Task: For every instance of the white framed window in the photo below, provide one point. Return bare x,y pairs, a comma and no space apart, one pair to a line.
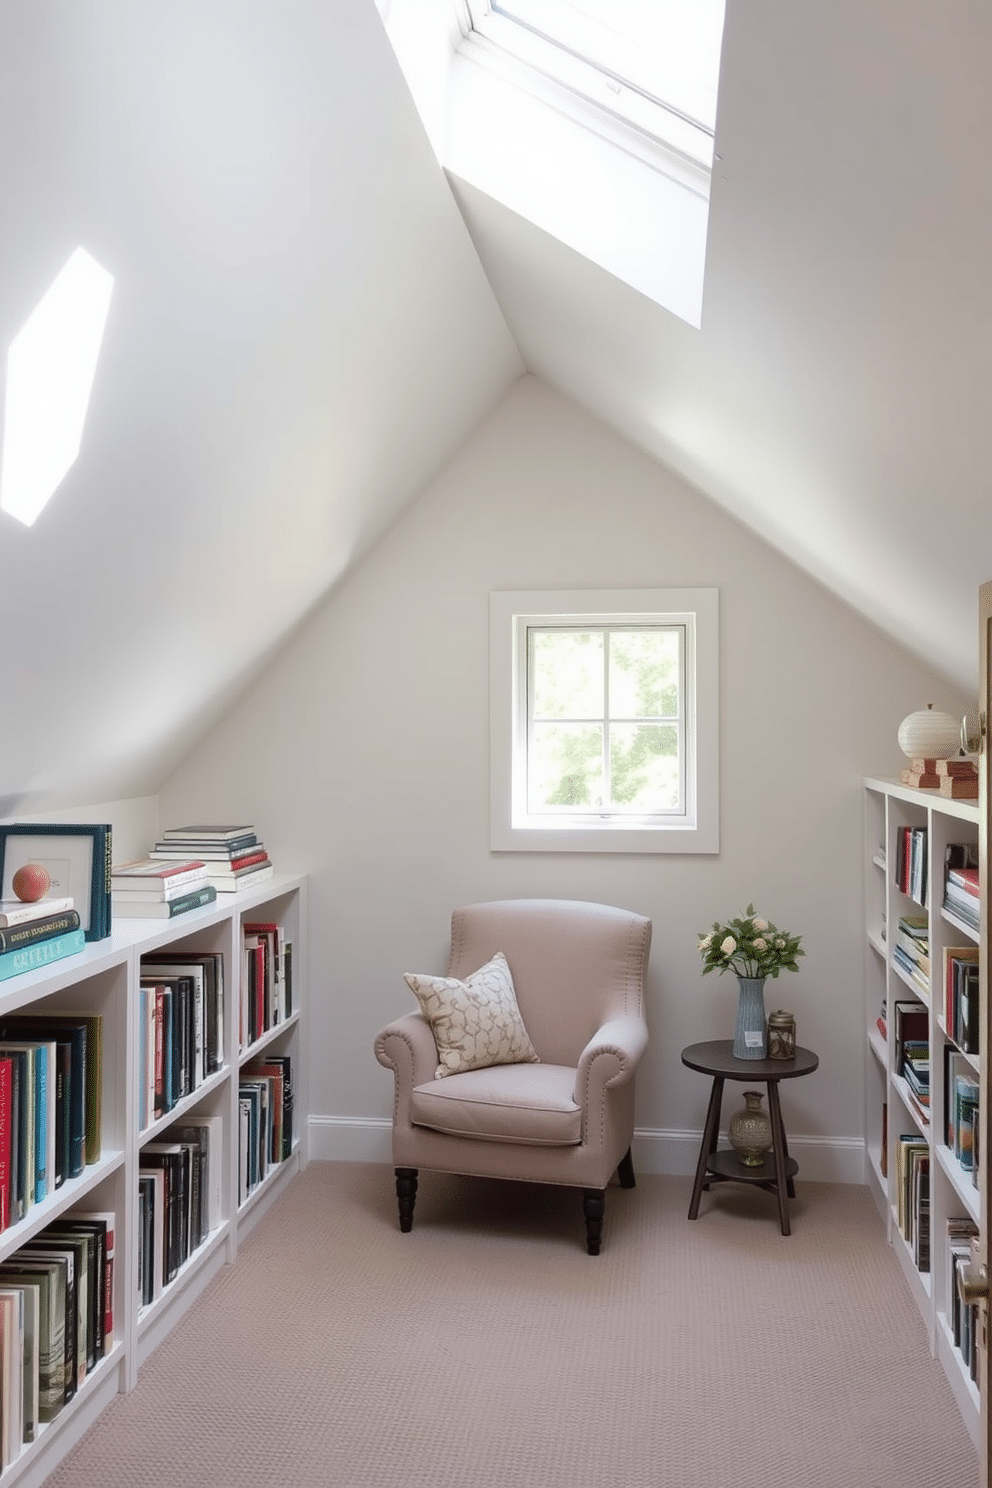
604,711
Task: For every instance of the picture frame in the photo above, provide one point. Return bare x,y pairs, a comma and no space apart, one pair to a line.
78,858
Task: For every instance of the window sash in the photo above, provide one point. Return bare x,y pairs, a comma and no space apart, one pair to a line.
606,721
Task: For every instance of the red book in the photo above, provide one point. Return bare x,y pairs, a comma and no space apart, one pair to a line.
5,1120
965,878
159,994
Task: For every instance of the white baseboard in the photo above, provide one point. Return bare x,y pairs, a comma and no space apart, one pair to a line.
820,1159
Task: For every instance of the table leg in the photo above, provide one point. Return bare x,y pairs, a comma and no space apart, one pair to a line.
784,1187
707,1146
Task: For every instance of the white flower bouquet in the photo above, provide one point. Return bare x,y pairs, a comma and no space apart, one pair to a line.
750,946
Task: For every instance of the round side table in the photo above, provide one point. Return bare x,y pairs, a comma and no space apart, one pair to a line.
775,1173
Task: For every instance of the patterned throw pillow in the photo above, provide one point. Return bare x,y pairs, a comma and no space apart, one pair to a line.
475,1023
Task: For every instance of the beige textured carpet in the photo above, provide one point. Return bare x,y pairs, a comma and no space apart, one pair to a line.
487,1348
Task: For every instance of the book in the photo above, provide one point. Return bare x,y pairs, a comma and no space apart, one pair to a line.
94,1228
15,912
51,1329
44,928
6,1116
208,1132
21,1189
79,858
160,881
911,1021
144,869
237,866
209,833
40,1147
30,1360
958,787
103,1221
270,933
165,909
81,1244
42,953
966,878
920,779
954,766
36,1252
244,880
172,1159
229,852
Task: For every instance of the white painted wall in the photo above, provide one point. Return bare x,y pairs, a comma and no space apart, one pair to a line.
361,754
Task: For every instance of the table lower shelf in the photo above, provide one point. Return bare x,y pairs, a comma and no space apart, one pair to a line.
725,1166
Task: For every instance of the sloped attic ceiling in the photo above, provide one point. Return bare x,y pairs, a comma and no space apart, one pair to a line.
838,397
300,332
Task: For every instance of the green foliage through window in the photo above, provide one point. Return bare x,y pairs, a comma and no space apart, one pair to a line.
606,719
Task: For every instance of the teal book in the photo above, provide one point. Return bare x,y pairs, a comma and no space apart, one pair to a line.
29,958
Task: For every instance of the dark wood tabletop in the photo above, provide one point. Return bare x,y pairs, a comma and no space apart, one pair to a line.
717,1058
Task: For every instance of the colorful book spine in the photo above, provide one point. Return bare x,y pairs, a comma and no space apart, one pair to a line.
13,963
18,936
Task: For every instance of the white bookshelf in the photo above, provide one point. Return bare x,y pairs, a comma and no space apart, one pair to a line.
104,978
889,807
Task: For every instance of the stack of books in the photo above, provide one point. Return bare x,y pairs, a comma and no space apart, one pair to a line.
911,951
36,934
234,857
149,889
961,995
916,1072
961,896
954,779
964,1319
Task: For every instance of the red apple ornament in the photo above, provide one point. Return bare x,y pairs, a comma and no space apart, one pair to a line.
31,883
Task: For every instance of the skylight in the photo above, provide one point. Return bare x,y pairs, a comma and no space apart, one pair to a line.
592,120
50,368
653,64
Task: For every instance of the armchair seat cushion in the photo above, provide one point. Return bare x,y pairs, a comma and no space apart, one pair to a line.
531,1104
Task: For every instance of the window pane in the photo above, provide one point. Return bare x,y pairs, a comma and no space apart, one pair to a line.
566,765
670,49
644,766
567,673
644,673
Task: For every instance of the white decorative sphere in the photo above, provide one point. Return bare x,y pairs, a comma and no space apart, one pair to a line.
930,735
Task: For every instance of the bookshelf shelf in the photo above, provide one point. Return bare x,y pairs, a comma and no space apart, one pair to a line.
105,979
922,1192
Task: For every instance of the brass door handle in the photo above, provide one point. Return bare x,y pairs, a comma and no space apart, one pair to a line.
973,1286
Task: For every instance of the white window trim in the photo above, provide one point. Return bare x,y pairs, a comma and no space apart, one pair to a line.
510,613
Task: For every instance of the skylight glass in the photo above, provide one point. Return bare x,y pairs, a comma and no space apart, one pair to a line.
638,59
50,369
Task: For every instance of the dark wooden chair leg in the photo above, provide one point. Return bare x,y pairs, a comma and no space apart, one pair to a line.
593,1207
625,1170
406,1194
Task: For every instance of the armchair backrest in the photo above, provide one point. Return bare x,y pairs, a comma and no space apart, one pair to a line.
574,965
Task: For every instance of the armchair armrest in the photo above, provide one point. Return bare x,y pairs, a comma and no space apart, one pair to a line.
610,1057
407,1047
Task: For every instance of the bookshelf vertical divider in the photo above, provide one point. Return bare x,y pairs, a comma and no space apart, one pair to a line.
105,979
925,1194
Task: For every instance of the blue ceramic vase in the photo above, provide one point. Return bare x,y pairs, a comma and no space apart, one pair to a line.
751,1032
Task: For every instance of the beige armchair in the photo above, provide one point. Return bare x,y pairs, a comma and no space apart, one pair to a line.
578,971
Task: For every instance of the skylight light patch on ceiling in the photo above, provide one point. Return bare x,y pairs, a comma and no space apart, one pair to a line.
50,369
